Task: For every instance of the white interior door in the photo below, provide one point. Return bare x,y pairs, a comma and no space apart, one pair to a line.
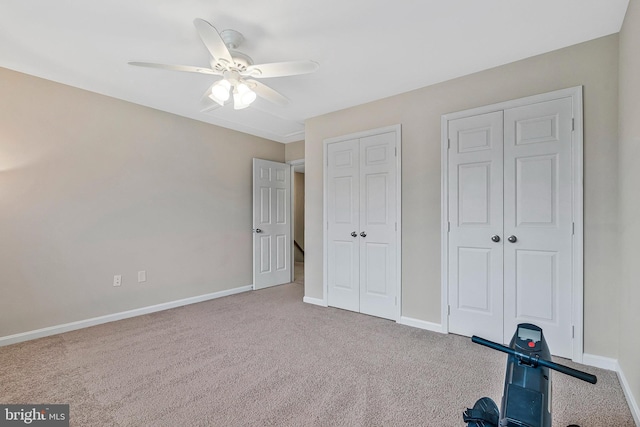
343,240
538,224
271,223
361,199
378,225
475,217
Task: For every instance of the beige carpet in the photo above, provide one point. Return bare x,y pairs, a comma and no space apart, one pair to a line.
267,359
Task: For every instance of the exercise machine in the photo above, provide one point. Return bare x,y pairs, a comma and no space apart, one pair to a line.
526,399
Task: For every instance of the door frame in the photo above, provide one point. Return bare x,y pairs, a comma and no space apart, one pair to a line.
325,214
294,165
577,150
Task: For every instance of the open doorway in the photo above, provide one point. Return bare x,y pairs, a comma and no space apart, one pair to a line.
297,195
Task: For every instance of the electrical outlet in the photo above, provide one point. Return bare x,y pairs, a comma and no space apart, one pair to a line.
142,276
117,280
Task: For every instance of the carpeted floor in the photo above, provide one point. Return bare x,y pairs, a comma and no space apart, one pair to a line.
267,359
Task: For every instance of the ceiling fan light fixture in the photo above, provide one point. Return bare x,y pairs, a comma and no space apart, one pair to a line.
220,91
246,94
243,96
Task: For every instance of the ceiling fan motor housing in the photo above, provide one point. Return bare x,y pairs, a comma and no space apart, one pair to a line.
232,39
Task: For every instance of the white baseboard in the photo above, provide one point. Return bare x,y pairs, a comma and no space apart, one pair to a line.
315,301
58,329
600,362
633,403
421,324
613,365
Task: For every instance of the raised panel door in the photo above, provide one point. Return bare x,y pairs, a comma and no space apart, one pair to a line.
378,225
343,209
538,213
271,223
475,215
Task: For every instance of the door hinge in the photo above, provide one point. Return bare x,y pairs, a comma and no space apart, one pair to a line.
396,226
573,228
395,151
448,310
448,143
448,227
573,331
573,124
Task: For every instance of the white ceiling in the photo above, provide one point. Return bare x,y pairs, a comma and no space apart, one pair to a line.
367,49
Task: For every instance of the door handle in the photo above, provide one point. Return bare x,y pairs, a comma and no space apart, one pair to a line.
512,239
495,238
363,234
354,234
257,230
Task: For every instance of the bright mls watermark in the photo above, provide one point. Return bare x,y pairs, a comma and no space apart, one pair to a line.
34,415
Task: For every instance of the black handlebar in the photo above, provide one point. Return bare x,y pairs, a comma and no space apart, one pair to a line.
535,361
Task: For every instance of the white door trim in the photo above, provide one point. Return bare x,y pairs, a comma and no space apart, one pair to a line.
577,286
325,216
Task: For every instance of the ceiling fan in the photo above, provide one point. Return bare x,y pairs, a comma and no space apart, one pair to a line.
237,69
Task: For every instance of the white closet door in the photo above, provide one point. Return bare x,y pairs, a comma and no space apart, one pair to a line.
343,240
475,215
538,214
378,225
271,223
361,225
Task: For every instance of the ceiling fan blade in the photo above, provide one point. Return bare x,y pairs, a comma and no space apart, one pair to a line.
187,68
212,40
267,93
281,69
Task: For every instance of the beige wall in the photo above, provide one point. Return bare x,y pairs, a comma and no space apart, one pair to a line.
629,174
294,151
91,186
593,64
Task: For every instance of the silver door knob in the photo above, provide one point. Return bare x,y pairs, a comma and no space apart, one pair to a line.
354,234
257,230
495,238
512,239
363,234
